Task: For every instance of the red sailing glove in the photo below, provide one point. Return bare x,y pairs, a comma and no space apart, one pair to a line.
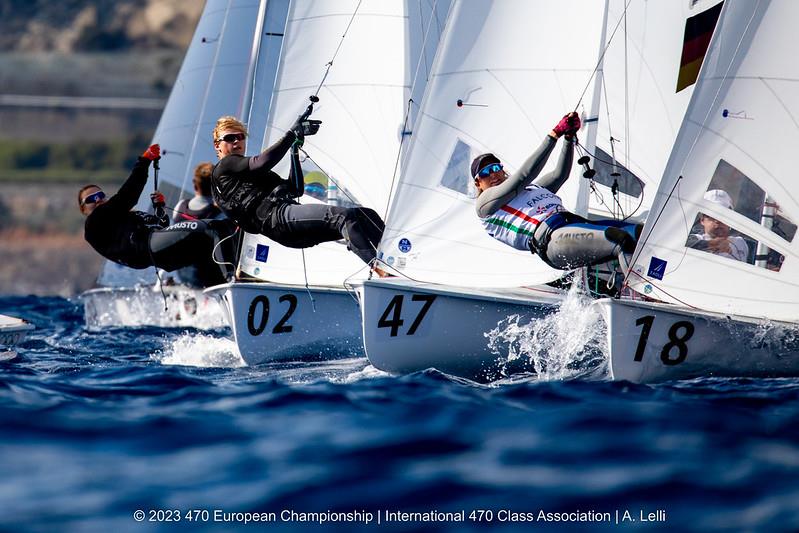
158,199
568,125
152,153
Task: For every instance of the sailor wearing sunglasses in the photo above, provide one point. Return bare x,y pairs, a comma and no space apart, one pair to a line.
139,240
260,201
528,214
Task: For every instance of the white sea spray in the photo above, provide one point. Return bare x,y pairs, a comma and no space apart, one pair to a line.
569,343
198,349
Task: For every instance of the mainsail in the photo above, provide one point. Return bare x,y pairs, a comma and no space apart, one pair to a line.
363,104
504,74
732,163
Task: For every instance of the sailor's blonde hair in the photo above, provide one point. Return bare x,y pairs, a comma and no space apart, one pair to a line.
228,123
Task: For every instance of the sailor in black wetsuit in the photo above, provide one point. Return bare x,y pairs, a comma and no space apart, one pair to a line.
201,205
139,240
262,202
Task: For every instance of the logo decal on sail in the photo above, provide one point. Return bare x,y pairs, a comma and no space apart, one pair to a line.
657,267
698,31
404,245
261,253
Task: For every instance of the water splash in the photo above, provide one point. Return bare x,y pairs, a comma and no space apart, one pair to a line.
567,344
196,349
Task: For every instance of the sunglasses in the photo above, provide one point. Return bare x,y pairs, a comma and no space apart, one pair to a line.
93,198
232,137
490,169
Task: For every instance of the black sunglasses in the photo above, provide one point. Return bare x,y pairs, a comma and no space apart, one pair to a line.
93,198
232,137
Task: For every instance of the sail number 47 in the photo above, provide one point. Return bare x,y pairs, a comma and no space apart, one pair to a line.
392,316
675,351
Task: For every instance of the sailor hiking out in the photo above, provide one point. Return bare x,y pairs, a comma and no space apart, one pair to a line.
140,240
528,214
260,201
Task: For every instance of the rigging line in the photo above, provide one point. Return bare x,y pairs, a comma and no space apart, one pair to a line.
410,101
686,304
213,251
641,244
602,55
584,150
626,97
307,287
399,156
341,42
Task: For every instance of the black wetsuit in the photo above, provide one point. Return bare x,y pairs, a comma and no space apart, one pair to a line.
184,211
139,240
260,201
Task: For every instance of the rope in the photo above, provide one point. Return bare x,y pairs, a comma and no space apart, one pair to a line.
341,42
602,55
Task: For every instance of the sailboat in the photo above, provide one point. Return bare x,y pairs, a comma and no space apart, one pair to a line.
218,77
708,312
12,332
502,92
290,303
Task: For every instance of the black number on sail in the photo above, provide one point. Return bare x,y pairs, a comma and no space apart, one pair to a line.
645,321
257,326
679,342
395,309
281,326
252,327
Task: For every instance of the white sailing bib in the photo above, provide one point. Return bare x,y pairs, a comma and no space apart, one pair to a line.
514,222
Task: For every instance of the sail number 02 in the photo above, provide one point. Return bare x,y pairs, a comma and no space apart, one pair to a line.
392,316
256,328
675,351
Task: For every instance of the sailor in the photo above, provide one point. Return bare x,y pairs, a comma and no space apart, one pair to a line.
529,215
260,201
715,237
201,205
139,240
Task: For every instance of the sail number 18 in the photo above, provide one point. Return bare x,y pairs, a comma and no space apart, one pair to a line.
675,351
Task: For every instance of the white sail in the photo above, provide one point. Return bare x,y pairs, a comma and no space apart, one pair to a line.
640,108
738,136
516,67
213,80
363,103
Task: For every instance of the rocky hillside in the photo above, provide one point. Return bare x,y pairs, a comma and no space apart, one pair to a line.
69,26
83,48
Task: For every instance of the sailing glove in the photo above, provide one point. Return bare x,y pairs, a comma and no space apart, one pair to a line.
568,125
152,153
158,199
304,126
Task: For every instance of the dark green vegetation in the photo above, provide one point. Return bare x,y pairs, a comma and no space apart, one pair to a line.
76,161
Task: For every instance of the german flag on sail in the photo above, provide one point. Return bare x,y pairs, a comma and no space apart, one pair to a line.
698,31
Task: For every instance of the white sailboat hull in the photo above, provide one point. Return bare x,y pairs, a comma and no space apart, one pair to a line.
274,322
408,327
144,306
13,331
651,342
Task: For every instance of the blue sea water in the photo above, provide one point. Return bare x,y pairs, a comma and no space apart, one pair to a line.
99,425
